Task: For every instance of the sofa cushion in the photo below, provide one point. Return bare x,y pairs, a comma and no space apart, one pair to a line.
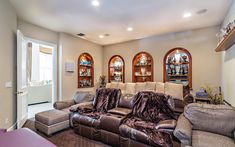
122,86
160,87
108,85
219,119
130,88
140,87
83,96
175,90
126,101
114,85
207,139
150,86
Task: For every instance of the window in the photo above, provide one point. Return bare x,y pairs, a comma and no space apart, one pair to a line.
45,67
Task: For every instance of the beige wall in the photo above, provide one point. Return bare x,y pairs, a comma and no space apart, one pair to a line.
200,43
228,64
72,47
37,32
8,25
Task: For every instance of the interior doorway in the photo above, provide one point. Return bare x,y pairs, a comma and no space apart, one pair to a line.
42,76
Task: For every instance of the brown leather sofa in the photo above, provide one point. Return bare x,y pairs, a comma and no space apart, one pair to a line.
88,125
107,127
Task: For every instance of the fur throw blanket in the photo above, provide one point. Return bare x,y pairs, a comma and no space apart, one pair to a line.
149,109
105,99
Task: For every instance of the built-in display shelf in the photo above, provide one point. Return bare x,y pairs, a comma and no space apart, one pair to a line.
227,43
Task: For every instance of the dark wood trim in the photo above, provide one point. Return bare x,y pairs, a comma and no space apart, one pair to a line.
91,67
133,66
190,64
123,68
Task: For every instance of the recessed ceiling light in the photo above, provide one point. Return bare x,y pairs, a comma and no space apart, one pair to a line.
101,36
186,15
202,11
95,3
81,34
129,29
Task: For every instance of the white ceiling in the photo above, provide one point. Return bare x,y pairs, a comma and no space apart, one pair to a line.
147,17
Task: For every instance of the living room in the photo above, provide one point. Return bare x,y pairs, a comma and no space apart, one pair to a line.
134,46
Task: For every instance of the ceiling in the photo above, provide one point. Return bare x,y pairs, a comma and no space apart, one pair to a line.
146,17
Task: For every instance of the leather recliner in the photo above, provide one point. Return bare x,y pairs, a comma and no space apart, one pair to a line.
144,115
109,125
88,126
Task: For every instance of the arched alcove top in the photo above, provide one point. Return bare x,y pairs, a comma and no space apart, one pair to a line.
116,69
177,66
142,67
85,71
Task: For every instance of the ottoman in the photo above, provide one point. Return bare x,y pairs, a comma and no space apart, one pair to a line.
51,121
109,125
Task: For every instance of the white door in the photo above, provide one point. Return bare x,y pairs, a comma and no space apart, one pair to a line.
22,80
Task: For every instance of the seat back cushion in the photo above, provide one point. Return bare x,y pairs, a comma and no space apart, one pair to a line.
122,87
130,88
108,85
83,96
175,90
219,119
150,86
126,101
139,87
114,85
160,88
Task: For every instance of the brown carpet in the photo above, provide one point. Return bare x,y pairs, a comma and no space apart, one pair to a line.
66,138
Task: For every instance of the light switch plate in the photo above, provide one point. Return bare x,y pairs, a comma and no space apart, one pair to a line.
8,84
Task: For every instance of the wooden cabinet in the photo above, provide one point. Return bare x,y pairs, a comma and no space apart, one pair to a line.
177,66
85,71
142,67
116,69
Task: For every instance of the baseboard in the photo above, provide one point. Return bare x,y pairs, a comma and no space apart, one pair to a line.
13,127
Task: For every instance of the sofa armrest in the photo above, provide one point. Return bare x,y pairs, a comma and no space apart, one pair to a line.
166,124
81,106
183,130
188,99
63,104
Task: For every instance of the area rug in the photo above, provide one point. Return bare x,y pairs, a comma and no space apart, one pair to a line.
66,138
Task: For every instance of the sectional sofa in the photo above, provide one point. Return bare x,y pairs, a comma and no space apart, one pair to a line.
106,128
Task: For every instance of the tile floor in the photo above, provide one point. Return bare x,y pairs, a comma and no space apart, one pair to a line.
34,109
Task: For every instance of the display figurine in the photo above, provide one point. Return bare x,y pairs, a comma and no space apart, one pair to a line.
184,58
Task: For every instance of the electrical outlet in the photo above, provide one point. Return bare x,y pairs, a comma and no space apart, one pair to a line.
6,121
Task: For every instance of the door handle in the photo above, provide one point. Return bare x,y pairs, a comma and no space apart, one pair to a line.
19,92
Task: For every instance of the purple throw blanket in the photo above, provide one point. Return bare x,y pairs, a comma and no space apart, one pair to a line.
150,108
105,99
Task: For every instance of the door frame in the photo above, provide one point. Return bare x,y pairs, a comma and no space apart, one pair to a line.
55,65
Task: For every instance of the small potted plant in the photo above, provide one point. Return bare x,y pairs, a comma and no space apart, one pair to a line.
214,95
102,81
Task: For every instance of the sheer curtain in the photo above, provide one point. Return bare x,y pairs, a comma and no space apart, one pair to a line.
45,66
41,65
